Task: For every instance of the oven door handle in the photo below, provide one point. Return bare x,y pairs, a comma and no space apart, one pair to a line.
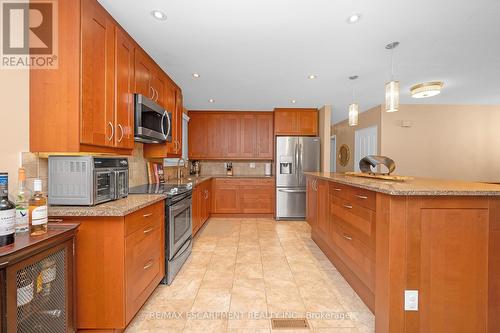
183,249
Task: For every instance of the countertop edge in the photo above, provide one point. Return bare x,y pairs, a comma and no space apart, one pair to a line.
430,192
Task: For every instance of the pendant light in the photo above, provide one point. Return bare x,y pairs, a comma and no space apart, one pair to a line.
392,87
353,107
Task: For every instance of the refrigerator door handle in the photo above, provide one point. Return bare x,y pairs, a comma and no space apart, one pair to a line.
292,191
297,161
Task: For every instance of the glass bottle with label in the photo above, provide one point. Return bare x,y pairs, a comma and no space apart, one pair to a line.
7,212
25,293
38,211
22,205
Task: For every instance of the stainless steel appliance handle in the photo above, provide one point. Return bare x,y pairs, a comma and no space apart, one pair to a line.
121,131
183,249
112,131
299,164
165,114
292,191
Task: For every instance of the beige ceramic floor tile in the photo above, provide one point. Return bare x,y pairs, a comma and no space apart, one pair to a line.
212,300
248,270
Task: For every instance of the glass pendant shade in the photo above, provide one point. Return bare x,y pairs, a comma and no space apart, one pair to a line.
353,114
392,96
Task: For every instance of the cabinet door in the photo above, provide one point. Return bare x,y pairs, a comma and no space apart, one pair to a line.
248,138
197,136
97,113
323,215
265,137
257,199
143,74
177,124
196,206
312,203
124,71
232,135
285,122
308,122
226,199
216,136
158,86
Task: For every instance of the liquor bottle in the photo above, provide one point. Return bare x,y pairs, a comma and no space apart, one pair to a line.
7,212
25,293
22,205
38,210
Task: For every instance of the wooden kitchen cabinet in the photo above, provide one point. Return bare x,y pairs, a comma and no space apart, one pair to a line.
246,196
231,135
296,121
312,202
86,104
202,204
120,261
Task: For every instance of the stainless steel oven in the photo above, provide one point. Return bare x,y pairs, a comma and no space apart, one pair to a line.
179,233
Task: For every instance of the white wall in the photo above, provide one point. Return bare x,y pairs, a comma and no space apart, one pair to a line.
325,116
14,121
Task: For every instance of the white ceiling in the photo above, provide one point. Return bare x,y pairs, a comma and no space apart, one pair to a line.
257,54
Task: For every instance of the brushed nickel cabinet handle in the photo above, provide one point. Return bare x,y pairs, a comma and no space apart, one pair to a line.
349,238
337,189
112,131
121,131
148,265
361,196
152,90
147,215
147,231
347,206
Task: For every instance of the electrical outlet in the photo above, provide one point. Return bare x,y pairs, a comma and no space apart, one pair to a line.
252,165
411,300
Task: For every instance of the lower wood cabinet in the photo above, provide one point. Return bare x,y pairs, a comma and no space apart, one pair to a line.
446,247
120,261
243,196
202,204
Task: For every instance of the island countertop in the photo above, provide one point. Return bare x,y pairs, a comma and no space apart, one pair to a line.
416,186
120,207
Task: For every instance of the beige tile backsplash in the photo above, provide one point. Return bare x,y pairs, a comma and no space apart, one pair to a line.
239,168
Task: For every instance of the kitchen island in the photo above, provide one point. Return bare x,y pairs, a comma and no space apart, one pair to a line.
437,242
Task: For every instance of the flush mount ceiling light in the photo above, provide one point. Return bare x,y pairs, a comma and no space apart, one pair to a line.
293,101
211,100
353,107
354,18
426,89
312,77
392,87
159,15
196,75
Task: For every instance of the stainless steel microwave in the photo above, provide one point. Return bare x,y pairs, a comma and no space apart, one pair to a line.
87,180
152,123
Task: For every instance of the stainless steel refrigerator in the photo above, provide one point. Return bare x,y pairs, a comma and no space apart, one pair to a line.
294,156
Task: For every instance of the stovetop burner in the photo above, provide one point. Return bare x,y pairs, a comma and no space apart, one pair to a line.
169,189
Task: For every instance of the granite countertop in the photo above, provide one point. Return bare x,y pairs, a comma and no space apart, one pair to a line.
417,186
119,207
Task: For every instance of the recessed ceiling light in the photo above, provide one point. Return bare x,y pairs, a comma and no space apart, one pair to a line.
159,15
354,18
312,76
426,89
293,101
196,75
211,100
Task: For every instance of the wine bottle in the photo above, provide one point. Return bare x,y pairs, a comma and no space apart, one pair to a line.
7,212
38,210
22,205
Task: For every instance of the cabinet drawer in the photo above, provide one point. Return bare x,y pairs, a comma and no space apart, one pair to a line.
144,218
360,220
142,260
357,256
359,196
257,199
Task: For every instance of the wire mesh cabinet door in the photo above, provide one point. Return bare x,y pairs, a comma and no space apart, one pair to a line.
39,292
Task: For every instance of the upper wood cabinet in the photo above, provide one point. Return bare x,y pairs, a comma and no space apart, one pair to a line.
296,122
231,135
86,104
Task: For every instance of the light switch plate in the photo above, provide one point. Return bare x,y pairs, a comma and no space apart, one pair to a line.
411,300
252,165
